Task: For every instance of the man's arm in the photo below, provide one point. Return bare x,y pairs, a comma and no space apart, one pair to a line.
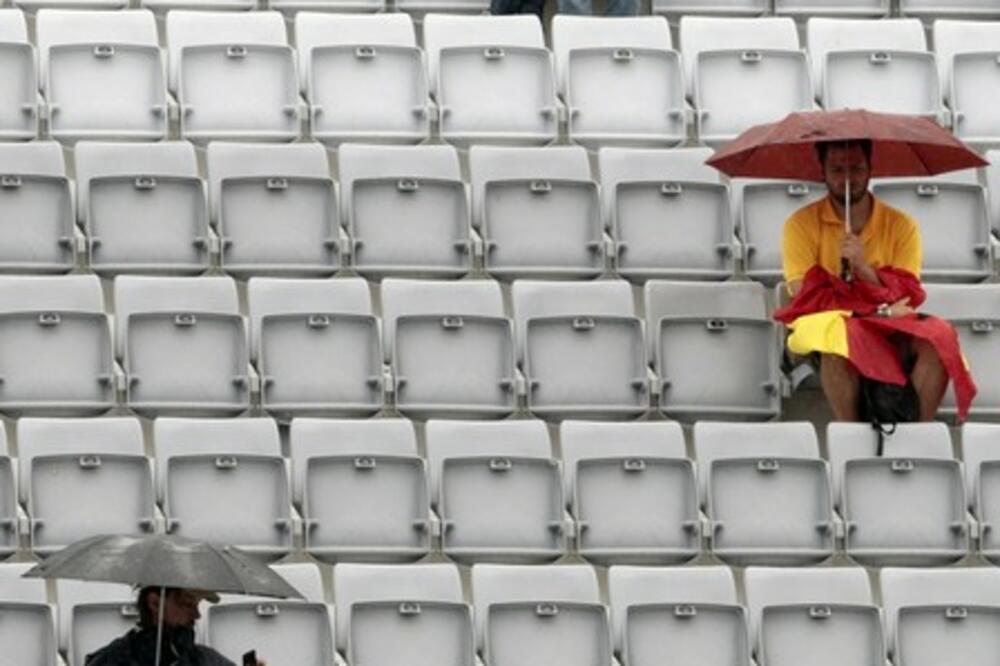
799,253
853,251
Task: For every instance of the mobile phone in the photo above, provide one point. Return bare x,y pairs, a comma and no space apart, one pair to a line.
250,658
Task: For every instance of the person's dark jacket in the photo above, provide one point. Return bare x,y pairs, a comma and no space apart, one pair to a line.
138,648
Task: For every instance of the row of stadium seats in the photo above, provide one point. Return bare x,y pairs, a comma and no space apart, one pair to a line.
494,491
274,210
364,78
448,348
553,615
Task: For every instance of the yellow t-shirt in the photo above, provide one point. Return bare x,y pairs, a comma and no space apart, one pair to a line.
813,234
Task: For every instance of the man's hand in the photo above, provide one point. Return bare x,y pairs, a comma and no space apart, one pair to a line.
901,308
853,251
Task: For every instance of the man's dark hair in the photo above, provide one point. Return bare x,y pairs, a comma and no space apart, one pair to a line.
823,148
146,617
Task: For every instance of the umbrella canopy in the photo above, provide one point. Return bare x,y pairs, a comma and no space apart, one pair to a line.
901,146
164,561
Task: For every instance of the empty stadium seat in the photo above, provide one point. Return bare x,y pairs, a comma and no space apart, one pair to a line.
929,9
538,212
678,615
942,617
162,7
19,102
93,614
299,7
905,507
497,489
84,477
274,208
142,207
492,78
981,458
364,77
540,615
675,8
388,614
880,65
749,474
36,205
823,616
729,61
285,632
714,350
967,53
419,9
234,76
406,210
361,489
27,621
975,312
224,481
807,8
668,213
631,490
954,225
621,80
102,75
9,523
55,346
581,349
316,346
183,345
451,348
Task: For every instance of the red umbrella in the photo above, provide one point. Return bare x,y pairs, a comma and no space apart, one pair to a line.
901,146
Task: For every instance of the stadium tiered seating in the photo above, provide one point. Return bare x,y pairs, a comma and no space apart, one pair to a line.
981,460
929,9
19,104
142,207
315,345
845,8
36,205
361,488
9,519
992,179
674,8
967,53
84,477
28,630
450,347
91,615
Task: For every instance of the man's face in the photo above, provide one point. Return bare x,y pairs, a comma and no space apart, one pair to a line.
846,165
180,609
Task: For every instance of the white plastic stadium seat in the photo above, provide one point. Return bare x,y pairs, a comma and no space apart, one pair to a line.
19,102
224,481
621,80
842,8
162,7
761,208
316,346
143,207
631,491
419,9
274,208
364,77
880,65
361,489
9,523
975,311
823,616
929,9
668,214
420,607
714,350
82,478
729,61
903,508
766,492
581,348
183,345
538,212
36,206
288,632
27,620
234,76
451,348
492,78
498,491
954,225
299,7
540,615
993,186
55,346
30,7
981,458
686,616
967,53
102,75
676,8
406,210
942,617
93,614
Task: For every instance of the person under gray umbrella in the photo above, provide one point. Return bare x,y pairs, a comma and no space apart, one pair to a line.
173,576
